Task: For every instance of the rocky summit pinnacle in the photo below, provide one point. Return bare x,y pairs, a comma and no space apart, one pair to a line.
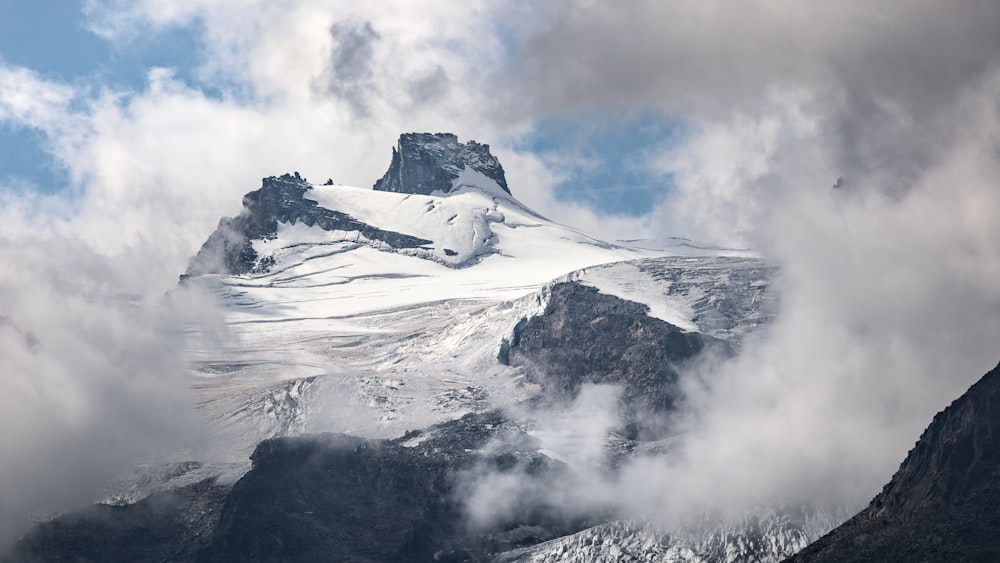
423,163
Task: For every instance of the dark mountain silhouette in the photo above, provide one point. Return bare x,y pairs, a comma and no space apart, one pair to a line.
944,502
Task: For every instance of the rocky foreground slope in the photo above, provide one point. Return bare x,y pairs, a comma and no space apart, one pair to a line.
944,502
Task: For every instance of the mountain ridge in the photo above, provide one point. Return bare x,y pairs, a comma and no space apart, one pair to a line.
280,199
942,503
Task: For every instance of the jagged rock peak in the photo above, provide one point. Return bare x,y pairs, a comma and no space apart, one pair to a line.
423,163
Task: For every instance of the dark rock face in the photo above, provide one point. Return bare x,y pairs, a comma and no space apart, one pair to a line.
328,497
944,502
339,498
229,249
426,162
334,498
585,336
169,526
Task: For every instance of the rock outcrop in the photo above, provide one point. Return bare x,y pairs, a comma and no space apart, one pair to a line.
423,163
585,336
944,502
173,525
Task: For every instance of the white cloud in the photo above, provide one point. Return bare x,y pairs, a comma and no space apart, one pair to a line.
92,376
888,307
889,311
721,173
28,100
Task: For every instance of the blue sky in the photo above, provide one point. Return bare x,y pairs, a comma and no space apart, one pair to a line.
604,158
53,39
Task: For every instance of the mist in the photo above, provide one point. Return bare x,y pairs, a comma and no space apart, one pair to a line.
94,378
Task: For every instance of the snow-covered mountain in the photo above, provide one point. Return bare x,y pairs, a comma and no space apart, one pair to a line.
430,318
397,301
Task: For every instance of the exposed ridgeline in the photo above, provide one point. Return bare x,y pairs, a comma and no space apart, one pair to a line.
944,502
281,199
423,163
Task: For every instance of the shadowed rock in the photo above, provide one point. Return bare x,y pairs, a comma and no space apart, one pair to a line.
423,163
167,526
944,502
328,497
585,336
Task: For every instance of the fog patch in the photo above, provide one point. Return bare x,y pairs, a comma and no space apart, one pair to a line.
93,374
563,467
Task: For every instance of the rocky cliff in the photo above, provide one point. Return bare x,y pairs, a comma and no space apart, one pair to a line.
586,337
328,497
944,502
423,163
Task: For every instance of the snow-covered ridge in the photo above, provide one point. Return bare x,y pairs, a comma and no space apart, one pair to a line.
769,535
288,222
723,296
480,238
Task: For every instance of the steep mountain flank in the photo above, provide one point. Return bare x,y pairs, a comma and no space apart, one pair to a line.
944,502
328,497
584,336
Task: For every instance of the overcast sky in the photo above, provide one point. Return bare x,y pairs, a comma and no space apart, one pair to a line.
129,127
